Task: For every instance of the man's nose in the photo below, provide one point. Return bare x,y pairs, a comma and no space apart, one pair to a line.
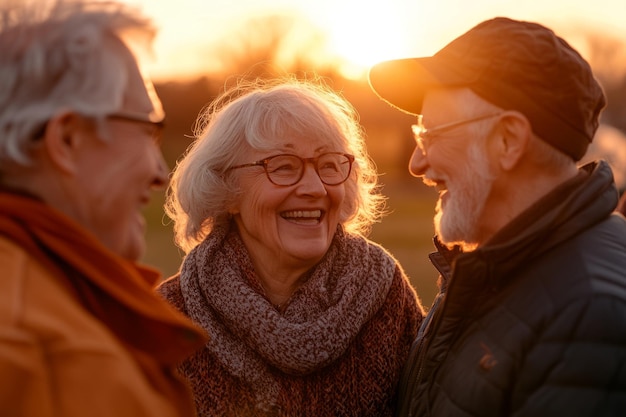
418,163
161,177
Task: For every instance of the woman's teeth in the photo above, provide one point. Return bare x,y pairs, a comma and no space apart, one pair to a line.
302,215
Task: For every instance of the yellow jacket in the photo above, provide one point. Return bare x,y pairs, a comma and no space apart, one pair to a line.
76,347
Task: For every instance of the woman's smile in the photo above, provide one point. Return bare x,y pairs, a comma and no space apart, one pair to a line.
303,216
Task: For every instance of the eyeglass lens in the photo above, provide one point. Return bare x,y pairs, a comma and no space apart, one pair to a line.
332,168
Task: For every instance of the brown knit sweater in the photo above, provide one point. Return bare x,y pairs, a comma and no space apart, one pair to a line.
337,349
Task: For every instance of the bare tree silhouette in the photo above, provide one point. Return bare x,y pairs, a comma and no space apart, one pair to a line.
273,45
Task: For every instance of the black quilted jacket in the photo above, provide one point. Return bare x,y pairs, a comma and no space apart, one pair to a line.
534,322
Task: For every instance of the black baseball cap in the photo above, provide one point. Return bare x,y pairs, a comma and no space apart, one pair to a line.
515,65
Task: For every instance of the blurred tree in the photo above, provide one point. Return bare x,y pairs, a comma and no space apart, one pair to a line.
273,45
182,102
276,45
608,58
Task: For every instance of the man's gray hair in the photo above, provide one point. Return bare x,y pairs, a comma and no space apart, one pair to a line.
62,55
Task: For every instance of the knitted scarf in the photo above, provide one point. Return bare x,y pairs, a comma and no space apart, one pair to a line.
117,292
322,318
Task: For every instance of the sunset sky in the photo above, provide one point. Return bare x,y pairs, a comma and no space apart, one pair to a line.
361,32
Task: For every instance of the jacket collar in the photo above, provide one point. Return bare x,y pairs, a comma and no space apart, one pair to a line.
572,207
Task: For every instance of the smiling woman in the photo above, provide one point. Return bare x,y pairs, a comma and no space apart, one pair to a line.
271,204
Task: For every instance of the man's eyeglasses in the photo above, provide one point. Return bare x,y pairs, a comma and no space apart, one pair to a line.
157,127
425,137
333,168
136,118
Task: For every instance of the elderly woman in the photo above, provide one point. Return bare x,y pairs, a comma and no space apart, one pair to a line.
306,317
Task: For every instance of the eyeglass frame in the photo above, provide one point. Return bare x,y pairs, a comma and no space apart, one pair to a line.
128,117
313,160
135,118
421,133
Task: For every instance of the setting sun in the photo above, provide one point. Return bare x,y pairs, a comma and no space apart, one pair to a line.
356,34
198,42
362,36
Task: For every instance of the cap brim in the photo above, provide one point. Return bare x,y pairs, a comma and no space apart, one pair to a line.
403,82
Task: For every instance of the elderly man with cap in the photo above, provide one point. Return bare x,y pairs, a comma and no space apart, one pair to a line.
531,315
82,331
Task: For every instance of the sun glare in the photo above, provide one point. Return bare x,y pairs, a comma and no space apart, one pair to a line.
360,35
357,33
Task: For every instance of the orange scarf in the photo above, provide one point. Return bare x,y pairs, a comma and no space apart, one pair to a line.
119,293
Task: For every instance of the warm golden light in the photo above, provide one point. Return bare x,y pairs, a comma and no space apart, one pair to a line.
359,33
205,38
361,36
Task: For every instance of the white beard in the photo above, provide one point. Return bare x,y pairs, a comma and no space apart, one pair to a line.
458,223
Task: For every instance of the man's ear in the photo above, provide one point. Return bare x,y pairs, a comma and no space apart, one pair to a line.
514,134
61,140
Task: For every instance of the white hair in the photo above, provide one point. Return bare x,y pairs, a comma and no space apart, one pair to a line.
62,55
253,115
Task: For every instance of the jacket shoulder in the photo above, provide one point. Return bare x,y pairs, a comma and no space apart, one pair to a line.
19,272
601,256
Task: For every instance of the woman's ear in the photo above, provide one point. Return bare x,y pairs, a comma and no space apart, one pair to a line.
514,135
61,140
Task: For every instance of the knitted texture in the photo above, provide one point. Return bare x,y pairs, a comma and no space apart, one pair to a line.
335,350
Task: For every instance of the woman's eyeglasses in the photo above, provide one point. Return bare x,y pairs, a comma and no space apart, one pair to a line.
333,168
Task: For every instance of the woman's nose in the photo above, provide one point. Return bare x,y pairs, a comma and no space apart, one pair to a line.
311,183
